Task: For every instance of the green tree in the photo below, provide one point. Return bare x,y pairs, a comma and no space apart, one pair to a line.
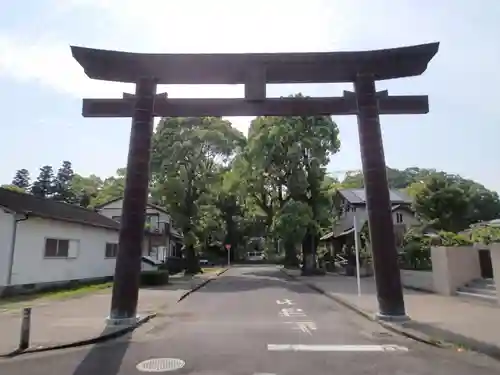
186,154
86,189
230,202
43,187
443,204
62,189
22,179
294,152
111,188
13,188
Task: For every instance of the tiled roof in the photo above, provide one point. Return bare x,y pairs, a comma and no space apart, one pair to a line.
358,196
47,208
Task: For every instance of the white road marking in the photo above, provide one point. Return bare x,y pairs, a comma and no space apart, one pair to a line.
306,327
264,373
335,348
284,302
292,312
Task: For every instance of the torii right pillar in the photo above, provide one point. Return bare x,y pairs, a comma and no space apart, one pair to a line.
378,203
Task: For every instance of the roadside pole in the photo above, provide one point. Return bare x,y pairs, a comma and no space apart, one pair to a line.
228,248
356,245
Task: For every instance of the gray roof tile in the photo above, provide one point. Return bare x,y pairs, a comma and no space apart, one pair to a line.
358,196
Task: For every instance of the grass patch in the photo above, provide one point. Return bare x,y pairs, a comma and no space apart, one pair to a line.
212,269
28,299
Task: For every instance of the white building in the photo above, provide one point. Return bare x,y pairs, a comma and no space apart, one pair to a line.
164,239
46,242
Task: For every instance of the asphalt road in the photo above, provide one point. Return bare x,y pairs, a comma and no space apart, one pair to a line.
253,320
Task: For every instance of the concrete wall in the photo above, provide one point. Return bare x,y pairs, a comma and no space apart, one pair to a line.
495,262
423,280
454,267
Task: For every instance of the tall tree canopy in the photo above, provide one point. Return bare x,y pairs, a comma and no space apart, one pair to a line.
43,187
187,153
62,189
22,179
292,153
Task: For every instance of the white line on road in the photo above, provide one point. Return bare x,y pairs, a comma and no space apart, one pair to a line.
306,327
335,348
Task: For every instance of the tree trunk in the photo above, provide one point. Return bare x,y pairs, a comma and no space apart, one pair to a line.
291,259
192,266
308,254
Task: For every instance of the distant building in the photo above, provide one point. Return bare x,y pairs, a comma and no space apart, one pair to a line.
164,239
351,203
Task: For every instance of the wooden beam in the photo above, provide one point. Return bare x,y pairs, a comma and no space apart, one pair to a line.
163,95
230,69
390,105
255,84
352,94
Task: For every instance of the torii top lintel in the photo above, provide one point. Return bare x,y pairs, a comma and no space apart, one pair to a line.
320,67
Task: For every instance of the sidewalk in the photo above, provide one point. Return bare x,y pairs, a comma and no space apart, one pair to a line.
71,320
434,318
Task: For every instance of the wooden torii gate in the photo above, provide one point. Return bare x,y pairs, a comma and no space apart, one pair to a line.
363,69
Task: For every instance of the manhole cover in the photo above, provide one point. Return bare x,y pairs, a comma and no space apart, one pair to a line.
160,365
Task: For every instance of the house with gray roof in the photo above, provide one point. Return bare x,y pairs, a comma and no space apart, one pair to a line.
350,205
44,242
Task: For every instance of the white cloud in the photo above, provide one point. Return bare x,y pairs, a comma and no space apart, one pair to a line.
165,26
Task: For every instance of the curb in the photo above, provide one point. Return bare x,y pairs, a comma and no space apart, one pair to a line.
93,340
107,336
202,284
450,342
389,326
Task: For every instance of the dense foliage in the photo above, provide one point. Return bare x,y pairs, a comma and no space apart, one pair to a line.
269,191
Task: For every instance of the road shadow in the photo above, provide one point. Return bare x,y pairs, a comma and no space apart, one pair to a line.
460,340
250,280
104,358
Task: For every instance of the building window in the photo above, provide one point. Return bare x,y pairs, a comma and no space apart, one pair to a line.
111,250
399,218
60,248
353,209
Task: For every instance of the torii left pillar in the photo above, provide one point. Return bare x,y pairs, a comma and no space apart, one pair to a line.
128,261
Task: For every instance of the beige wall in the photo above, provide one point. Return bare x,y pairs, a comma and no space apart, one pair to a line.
409,218
495,261
454,267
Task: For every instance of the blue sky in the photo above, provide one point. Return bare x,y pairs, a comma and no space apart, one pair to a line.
41,87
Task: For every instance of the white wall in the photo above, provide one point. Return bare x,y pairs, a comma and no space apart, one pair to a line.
30,265
115,209
6,228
